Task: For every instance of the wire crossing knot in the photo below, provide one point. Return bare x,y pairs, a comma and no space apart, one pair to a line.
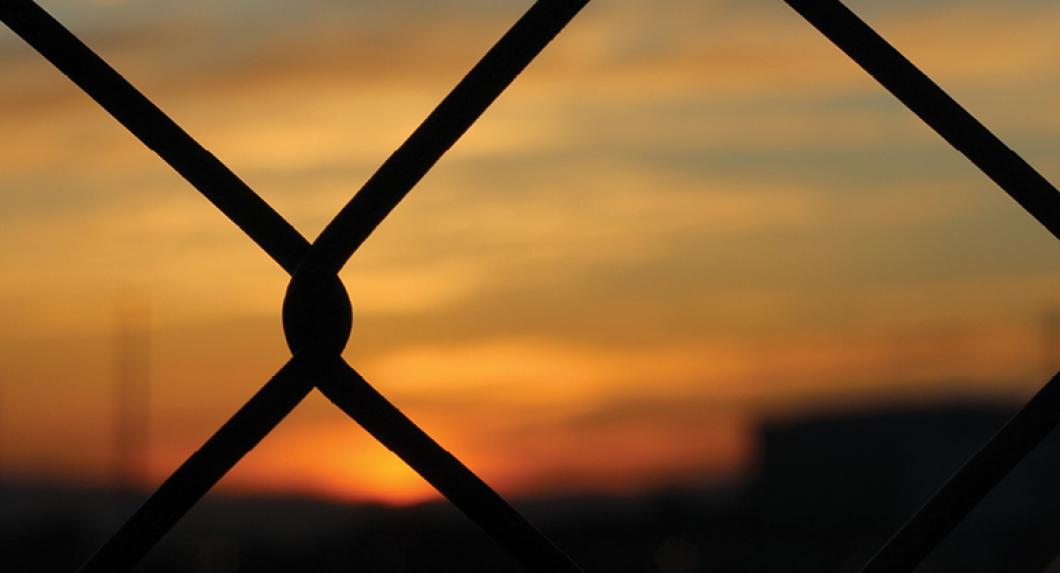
317,314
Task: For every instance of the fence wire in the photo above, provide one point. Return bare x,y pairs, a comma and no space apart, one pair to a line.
317,312
1040,416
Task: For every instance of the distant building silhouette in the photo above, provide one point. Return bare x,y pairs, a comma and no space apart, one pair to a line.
831,489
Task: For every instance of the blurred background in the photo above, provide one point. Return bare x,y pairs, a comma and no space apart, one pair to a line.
696,292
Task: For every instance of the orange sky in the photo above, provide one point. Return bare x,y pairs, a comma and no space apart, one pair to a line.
683,217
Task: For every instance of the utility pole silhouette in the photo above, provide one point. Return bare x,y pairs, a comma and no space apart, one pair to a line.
132,395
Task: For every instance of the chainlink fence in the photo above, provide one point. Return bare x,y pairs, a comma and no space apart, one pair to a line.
317,313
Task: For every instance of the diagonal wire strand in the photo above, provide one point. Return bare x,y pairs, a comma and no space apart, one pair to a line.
971,483
927,100
156,130
359,400
1032,191
200,472
438,132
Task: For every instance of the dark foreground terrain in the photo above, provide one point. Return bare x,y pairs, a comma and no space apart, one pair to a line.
826,493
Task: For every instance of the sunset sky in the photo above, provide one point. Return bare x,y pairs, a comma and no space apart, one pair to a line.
684,217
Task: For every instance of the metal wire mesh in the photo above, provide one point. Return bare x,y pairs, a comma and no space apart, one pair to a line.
317,310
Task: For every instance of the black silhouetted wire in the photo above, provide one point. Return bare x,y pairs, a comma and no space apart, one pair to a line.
315,289
971,484
157,131
930,525
453,116
360,400
186,486
926,99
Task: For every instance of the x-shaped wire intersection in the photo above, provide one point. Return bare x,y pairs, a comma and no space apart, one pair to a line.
316,310
317,315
